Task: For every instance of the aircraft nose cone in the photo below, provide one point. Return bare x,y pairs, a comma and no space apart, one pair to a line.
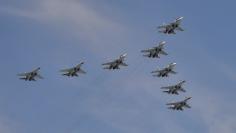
173,64
162,42
179,18
124,55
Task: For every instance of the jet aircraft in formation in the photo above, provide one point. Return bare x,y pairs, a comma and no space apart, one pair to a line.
71,72
171,27
165,71
179,105
155,51
30,76
116,63
174,89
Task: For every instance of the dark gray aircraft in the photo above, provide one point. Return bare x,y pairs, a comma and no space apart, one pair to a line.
30,76
171,27
116,63
71,72
179,105
174,89
155,51
165,71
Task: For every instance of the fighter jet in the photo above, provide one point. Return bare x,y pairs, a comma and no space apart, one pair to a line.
179,105
30,76
116,63
71,72
165,71
155,51
171,27
174,89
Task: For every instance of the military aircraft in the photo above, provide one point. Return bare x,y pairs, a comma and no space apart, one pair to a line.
179,105
116,63
165,71
71,72
30,76
155,51
171,27
174,89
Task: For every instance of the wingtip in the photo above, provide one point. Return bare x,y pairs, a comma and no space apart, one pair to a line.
187,98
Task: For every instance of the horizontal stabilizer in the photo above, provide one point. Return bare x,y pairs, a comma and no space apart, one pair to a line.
82,71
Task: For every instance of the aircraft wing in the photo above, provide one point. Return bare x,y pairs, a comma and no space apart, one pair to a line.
162,26
66,70
108,63
187,106
82,71
39,76
123,64
162,31
182,82
180,29
173,72
24,78
162,71
156,71
167,87
147,50
171,66
171,108
35,70
172,104
23,74
163,52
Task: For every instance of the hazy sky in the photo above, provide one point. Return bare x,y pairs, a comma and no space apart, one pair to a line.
57,34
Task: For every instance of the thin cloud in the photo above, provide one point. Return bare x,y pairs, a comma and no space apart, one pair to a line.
7,126
78,19
214,110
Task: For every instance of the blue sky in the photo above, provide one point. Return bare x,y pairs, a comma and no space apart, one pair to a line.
56,34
